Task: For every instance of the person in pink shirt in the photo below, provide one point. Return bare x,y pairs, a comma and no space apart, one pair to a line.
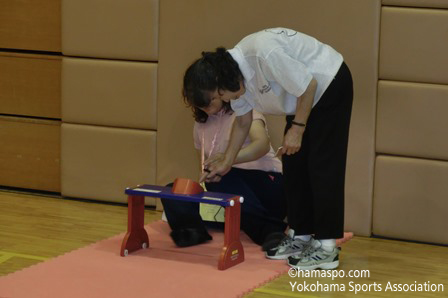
255,175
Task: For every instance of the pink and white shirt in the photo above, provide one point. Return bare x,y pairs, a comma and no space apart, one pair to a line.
215,133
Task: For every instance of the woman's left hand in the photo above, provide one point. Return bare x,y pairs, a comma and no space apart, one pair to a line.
293,140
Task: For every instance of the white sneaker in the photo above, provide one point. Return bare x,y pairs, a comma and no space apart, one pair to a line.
315,258
288,247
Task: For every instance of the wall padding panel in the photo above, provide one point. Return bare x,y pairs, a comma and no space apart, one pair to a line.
412,119
100,162
30,85
417,3
356,21
30,153
109,92
114,29
414,45
410,199
30,25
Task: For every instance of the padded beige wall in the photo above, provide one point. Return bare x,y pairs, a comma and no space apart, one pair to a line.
30,85
109,92
109,96
30,25
113,29
410,199
30,153
417,3
100,162
351,26
410,186
414,45
412,119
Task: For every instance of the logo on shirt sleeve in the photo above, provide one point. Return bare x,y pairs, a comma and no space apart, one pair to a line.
287,32
265,89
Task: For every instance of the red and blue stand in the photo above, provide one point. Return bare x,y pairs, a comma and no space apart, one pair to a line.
184,190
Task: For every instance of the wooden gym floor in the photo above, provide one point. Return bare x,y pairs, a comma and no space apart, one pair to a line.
35,228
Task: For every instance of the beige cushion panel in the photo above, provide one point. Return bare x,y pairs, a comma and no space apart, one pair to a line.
31,25
414,45
30,153
110,93
100,162
351,26
412,119
410,199
417,3
30,85
111,29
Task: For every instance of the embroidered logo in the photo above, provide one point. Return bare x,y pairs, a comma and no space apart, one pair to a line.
265,89
287,32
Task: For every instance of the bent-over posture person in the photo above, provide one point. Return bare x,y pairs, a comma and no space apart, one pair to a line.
284,72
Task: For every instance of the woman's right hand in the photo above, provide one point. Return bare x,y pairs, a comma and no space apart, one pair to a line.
215,167
293,140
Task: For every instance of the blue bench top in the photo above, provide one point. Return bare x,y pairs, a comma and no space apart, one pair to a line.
164,192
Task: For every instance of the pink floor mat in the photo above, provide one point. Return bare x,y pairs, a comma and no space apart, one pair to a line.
163,270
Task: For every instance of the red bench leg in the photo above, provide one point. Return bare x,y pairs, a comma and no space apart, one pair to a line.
136,236
232,252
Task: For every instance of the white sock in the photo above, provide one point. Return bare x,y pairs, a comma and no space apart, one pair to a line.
303,237
328,244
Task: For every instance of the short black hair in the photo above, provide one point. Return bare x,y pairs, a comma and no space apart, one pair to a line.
214,71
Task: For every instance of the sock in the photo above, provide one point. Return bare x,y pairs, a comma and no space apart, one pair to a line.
303,237
328,244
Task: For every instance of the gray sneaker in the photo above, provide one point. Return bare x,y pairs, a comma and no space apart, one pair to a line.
287,247
315,258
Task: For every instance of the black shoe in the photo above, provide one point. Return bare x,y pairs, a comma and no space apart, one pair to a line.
190,237
272,240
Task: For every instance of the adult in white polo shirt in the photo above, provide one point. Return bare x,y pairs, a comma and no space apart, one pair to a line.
283,72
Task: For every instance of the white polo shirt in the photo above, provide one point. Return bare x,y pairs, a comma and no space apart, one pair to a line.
277,65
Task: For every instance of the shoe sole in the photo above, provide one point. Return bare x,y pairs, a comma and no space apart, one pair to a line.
282,257
325,266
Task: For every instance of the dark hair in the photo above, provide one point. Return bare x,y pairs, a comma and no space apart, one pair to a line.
214,71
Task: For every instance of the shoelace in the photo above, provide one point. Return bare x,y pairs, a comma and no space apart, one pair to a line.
285,241
309,250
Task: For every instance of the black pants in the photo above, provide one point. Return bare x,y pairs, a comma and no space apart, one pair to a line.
315,176
262,212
